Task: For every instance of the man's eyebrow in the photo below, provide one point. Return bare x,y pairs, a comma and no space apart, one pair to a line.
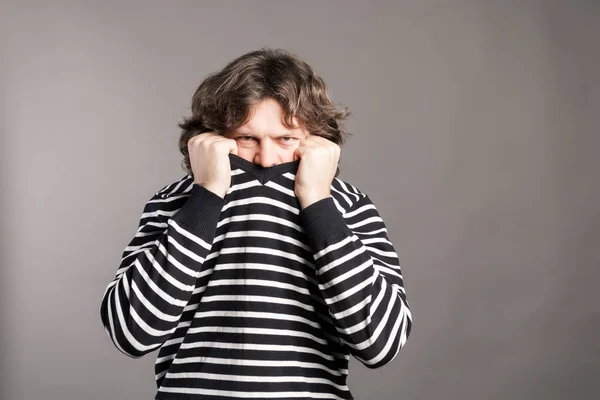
238,133
287,134
243,133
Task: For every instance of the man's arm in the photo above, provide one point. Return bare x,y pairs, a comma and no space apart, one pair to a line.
359,276
143,304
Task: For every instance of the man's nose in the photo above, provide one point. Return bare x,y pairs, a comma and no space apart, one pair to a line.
266,156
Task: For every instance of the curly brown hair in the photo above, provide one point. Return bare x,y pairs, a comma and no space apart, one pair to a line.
224,100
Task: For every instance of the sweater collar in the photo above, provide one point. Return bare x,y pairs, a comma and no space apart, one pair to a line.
261,173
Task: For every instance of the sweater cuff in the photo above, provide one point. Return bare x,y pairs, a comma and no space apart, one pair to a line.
201,212
324,224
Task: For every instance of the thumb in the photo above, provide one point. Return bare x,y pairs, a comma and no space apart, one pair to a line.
298,153
233,148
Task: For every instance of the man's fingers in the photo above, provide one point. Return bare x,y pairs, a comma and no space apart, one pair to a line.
214,140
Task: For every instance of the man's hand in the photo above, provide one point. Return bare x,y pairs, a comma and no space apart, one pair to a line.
319,159
209,160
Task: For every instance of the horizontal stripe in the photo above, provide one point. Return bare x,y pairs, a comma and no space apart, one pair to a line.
260,217
255,363
244,395
257,299
247,378
257,347
261,200
261,234
258,282
256,331
255,314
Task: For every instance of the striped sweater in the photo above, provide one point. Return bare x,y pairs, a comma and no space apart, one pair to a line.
251,296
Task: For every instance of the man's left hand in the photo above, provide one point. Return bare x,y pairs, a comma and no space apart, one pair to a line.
319,159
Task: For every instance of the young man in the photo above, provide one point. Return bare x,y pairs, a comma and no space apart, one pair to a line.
259,272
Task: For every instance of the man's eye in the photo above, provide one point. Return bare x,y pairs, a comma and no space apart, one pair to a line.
245,138
287,139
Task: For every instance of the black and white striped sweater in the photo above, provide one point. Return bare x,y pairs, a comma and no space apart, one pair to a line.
252,297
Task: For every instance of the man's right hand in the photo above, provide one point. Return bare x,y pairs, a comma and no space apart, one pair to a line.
209,160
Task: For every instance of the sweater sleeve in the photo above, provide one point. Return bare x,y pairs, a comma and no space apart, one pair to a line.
359,276
156,277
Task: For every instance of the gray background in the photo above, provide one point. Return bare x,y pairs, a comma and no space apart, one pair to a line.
475,133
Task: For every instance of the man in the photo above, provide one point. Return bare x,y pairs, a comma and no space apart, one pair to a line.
259,272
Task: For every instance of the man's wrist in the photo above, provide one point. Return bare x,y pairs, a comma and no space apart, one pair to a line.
308,200
213,188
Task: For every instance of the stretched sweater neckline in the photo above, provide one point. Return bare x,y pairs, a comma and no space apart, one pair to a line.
263,174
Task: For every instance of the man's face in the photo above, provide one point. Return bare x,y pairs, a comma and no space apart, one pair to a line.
264,139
